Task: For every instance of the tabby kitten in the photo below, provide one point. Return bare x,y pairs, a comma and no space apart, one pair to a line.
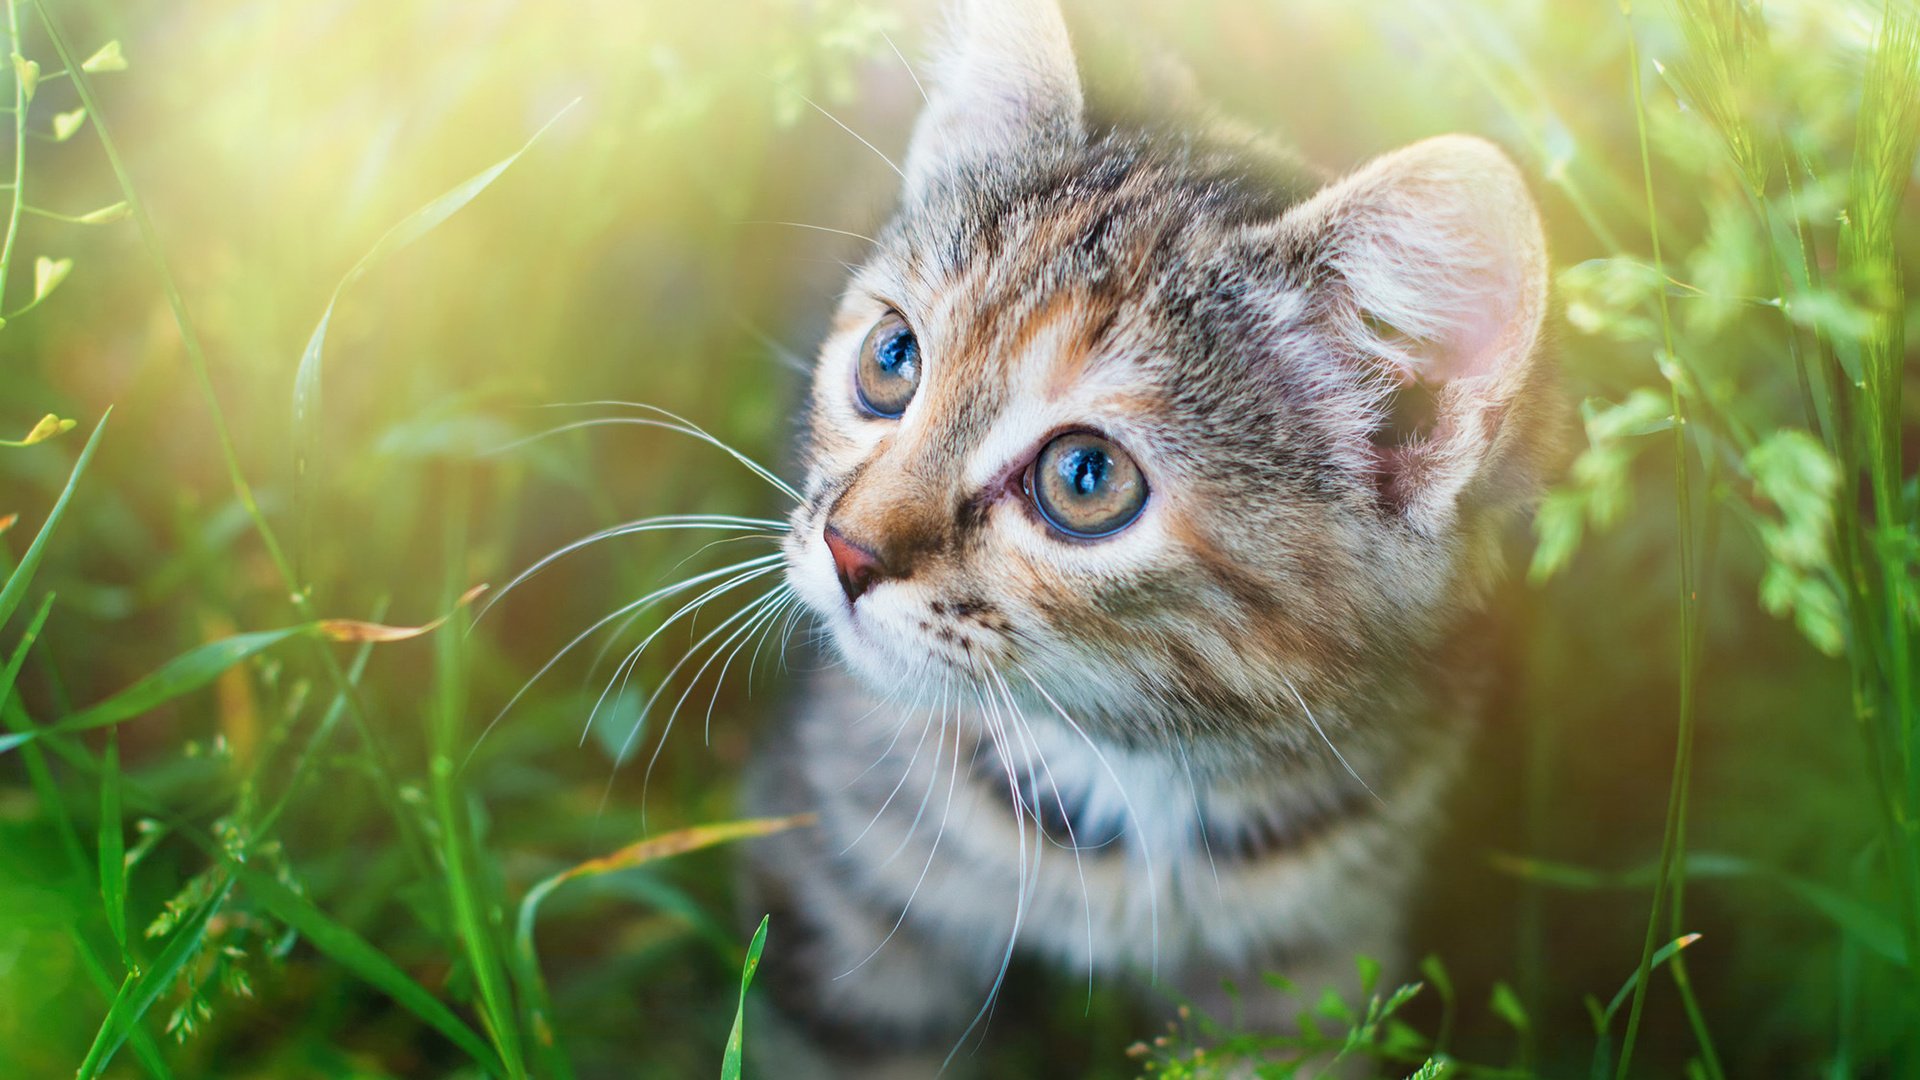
1155,619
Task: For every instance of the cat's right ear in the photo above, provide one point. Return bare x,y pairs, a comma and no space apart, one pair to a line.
1004,84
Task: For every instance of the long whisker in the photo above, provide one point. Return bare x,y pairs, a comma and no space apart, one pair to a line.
674,422
953,784
667,680
761,526
644,602
816,228
856,135
888,38
1146,847
606,646
1025,881
780,617
765,618
1073,842
1199,816
933,780
1338,756
906,773
640,421
788,358
625,671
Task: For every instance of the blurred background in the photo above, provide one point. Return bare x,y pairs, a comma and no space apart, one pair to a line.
670,239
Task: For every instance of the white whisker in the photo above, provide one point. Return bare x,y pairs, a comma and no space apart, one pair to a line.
1146,847
953,783
673,422
624,671
815,228
856,135
623,611
888,38
906,773
765,618
1073,842
1338,756
759,526
1199,816
667,681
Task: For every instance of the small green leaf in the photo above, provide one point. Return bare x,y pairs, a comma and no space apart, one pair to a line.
730,1065
1506,1006
16,587
49,426
28,73
106,215
1369,973
1436,973
107,57
67,124
48,274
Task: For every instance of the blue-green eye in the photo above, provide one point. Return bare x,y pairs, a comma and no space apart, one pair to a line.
1086,487
889,369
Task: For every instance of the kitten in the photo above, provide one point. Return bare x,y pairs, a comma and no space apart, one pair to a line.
1155,620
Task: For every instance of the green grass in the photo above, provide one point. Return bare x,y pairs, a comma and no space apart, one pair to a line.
242,833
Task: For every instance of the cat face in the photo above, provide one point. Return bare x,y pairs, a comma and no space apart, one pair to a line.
1100,421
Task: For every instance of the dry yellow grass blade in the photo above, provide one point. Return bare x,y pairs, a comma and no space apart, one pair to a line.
380,633
679,842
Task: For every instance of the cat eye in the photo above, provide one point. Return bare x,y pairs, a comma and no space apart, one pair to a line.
889,369
1085,486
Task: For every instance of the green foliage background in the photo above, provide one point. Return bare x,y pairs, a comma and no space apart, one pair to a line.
238,868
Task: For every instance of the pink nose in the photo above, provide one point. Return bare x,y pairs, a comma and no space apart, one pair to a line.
859,568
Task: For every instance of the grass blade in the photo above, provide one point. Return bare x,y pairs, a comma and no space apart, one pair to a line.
16,587
306,382
736,1039
352,952
1665,953
142,989
475,905
113,851
627,858
182,675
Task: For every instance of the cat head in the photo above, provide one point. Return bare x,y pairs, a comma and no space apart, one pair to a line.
1115,417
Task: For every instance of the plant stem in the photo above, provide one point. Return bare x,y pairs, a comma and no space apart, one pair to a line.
19,157
471,907
1671,843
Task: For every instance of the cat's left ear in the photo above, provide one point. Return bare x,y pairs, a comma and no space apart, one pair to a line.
1430,267
1004,85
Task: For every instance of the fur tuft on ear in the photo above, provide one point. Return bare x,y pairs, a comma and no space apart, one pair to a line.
1434,269
1004,82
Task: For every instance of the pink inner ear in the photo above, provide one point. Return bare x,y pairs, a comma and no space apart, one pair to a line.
1481,335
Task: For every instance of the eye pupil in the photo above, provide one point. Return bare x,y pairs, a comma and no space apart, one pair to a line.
1084,469
898,353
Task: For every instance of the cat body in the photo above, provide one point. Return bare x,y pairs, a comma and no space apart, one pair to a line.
1154,637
